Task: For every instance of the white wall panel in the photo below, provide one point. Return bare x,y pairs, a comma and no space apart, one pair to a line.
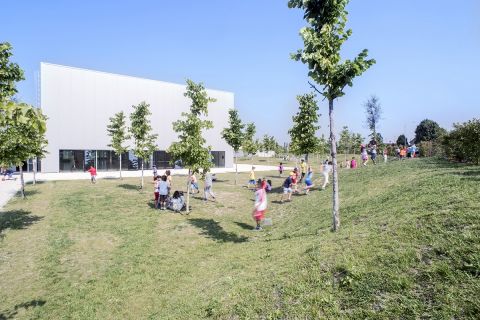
79,102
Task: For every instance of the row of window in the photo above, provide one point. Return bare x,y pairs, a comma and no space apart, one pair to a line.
81,160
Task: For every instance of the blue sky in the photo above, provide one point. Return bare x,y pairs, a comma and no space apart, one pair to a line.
427,53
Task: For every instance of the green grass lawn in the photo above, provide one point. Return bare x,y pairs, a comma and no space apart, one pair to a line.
408,248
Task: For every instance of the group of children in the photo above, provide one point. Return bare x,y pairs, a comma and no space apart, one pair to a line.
290,186
162,186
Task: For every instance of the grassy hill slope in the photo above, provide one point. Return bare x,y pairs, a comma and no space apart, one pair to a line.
409,247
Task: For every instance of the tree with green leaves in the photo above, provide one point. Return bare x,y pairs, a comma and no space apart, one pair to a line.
462,143
141,131
250,145
191,145
345,140
117,130
305,125
373,111
269,144
233,135
428,130
22,133
323,40
402,140
10,73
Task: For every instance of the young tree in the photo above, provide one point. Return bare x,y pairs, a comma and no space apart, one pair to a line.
191,147
10,73
305,126
233,135
345,140
117,130
428,130
22,132
141,130
373,110
357,140
250,146
323,39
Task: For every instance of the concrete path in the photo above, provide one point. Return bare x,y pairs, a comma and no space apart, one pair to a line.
9,188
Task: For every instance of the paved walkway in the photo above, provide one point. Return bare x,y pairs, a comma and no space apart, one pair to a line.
9,188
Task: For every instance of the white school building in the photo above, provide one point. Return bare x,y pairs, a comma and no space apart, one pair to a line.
79,103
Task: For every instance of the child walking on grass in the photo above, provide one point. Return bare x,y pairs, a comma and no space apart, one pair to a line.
258,213
251,181
280,169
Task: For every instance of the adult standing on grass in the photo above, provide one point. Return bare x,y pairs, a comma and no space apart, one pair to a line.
260,204
208,187
326,169
287,187
373,153
93,174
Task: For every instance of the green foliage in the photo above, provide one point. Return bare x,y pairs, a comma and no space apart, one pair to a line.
349,141
233,135
10,73
428,130
191,147
323,39
270,144
141,130
402,140
22,133
305,126
373,110
409,249
250,146
117,130
463,142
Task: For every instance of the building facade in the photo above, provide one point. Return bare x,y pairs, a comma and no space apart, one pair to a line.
79,103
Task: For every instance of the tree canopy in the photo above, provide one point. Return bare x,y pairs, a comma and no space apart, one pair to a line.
249,145
373,111
117,130
305,125
190,147
428,130
10,73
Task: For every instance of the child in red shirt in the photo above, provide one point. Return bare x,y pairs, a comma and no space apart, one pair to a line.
93,174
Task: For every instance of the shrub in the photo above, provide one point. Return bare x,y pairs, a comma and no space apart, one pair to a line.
463,142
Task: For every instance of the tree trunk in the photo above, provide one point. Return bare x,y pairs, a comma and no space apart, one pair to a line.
236,168
188,191
306,158
141,187
333,147
121,167
34,161
22,183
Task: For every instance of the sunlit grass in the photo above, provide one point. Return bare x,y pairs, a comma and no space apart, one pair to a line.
409,247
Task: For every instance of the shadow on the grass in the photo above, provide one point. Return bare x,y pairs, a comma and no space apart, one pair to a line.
28,193
213,230
12,314
127,186
245,226
17,219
